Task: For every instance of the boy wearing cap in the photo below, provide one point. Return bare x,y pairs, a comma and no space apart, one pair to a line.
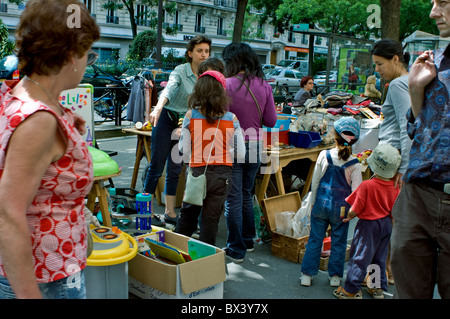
372,203
337,173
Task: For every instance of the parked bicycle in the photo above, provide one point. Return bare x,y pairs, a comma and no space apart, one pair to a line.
112,104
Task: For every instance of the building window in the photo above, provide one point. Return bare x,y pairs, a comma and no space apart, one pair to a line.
304,39
318,40
111,17
142,15
291,37
220,29
88,4
199,23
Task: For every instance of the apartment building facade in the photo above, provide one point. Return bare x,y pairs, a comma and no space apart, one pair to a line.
214,18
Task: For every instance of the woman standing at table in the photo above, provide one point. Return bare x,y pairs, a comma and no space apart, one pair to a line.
391,63
245,80
165,118
45,166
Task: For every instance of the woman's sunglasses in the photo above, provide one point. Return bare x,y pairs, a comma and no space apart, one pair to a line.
92,56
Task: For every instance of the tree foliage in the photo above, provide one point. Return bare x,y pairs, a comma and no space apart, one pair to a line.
6,45
143,45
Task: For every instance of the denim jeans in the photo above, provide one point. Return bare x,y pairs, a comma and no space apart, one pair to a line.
72,287
339,232
162,147
239,205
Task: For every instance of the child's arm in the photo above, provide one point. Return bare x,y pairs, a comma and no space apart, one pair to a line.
350,215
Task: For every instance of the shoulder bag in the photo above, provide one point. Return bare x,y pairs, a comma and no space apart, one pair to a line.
195,190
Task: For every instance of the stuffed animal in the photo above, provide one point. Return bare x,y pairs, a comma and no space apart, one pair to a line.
371,90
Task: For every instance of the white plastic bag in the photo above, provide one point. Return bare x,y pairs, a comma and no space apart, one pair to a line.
283,223
301,223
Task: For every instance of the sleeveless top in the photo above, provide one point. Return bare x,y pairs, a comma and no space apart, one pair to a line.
332,191
56,215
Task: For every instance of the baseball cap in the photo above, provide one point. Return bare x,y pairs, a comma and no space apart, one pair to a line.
384,160
348,129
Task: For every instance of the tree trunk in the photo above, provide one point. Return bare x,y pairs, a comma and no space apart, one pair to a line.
390,19
239,20
130,8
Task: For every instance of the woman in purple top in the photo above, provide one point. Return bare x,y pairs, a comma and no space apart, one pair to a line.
245,83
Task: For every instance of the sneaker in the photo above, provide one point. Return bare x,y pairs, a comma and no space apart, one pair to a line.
250,250
306,280
376,293
235,260
171,220
156,221
335,281
342,294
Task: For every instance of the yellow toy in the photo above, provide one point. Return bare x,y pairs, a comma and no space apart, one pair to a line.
370,90
362,157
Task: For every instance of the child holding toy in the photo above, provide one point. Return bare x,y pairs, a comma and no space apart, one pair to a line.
372,203
209,139
337,173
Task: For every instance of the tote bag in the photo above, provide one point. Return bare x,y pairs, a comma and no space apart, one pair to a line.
195,190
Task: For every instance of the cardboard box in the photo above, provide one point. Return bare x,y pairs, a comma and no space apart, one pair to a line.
283,246
202,278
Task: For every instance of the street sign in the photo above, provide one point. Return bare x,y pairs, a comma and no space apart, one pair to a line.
300,27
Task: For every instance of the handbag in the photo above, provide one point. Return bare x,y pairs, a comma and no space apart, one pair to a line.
254,98
195,190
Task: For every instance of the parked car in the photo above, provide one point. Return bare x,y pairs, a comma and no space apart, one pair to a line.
7,67
99,79
300,65
267,68
287,80
320,77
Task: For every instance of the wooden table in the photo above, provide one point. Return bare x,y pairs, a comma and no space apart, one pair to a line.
144,142
98,190
282,158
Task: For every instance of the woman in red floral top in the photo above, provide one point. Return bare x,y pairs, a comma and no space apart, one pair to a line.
45,167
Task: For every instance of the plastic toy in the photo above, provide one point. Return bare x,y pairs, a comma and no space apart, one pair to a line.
111,246
144,210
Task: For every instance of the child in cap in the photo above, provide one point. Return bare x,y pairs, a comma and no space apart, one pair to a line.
337,173
372,203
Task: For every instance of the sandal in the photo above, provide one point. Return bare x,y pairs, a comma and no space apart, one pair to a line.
377,293
342,294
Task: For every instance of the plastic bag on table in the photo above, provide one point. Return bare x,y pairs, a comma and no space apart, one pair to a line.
301,223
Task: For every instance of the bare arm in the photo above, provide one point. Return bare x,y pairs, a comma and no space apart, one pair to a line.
32,147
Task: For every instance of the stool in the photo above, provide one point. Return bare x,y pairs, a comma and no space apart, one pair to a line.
99,191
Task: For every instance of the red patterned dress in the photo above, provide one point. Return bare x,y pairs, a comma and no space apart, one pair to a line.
55,216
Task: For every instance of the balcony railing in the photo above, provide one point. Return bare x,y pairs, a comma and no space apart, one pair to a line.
226,3
199,29
112,19
221,32
176,26
142,22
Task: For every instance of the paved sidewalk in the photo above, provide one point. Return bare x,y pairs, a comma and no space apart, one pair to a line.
261,275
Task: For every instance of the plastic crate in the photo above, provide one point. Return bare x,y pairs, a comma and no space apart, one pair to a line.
280,125
304,139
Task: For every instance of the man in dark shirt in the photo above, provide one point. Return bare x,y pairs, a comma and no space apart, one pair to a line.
420,244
